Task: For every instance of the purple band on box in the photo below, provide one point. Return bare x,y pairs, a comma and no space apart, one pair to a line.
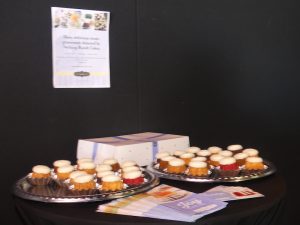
121,138
154,149
95,148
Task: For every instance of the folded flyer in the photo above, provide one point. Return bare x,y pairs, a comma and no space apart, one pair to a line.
165,202
230,193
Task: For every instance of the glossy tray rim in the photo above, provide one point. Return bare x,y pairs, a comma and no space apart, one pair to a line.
214,179
20,192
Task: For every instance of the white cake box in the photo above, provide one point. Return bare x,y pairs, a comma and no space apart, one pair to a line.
141,147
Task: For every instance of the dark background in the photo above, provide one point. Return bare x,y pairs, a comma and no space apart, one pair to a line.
222,72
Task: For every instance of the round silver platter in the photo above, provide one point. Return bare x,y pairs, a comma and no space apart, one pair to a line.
214,176
56,194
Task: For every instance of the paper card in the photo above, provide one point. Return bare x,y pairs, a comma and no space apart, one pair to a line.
229,193
184,201
195,204
80,47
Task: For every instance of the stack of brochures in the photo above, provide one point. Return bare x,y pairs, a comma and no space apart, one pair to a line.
165,202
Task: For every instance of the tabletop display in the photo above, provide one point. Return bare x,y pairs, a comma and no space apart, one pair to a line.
214,164
84,182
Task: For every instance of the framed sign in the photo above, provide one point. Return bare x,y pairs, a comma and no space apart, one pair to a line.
80,48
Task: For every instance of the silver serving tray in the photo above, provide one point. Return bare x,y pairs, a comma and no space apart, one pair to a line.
214,176
55,194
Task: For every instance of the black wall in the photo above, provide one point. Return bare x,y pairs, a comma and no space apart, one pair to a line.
222,72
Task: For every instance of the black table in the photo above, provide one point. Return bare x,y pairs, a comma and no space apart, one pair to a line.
262,211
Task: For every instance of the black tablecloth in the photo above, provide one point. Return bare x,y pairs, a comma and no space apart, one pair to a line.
262,211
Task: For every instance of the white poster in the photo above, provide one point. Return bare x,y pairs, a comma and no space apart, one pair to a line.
80,48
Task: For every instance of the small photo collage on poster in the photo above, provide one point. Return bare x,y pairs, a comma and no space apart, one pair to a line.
80,19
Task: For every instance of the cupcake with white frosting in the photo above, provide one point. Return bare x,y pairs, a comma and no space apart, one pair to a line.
84,185
199,159
165,161
226,153
176,166
63,173
161,155
236,148
113,163
103,174
214,149
133,178
193,150
103,167
197,168
187,157
228,167
130,168
254,164
128,163
81,160
62,176
214,160
40,175
251,152
204,153
75,174
60,163
88,167
178,153
240,158
112,183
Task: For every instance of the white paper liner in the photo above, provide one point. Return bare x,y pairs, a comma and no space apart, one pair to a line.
84,192
249,172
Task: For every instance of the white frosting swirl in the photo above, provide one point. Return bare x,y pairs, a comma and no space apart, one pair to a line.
111,178
178,152
167,158
76,174
214,149
85,178
176,162
204,153
216,157
59,163
234,147
105,173
87,166
227,161
198,164
187,155
130,168
251,152
226,153
254,159
132,174
65,169
41,169
199,159
128,163
162,154
193,149
103,167
240,156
